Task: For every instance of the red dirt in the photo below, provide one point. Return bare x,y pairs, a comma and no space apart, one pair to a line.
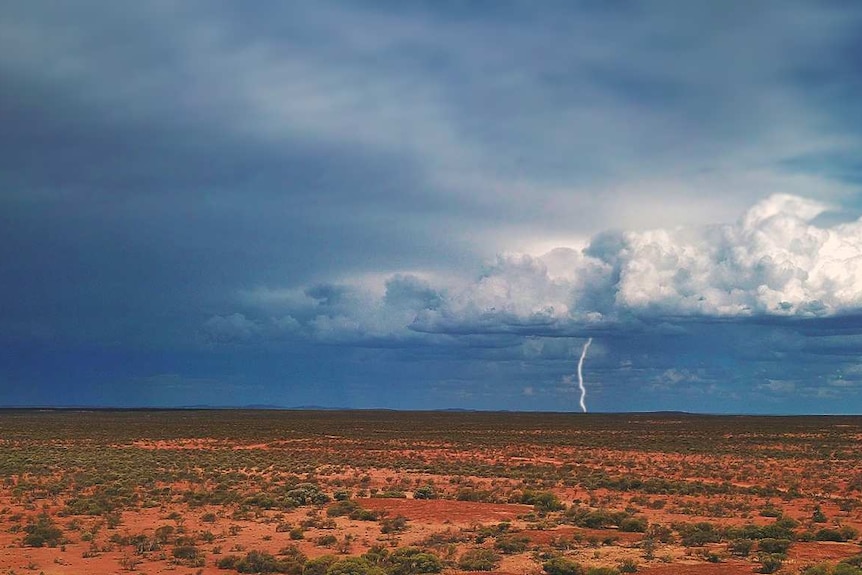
799,477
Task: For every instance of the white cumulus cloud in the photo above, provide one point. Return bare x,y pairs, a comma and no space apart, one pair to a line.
775,261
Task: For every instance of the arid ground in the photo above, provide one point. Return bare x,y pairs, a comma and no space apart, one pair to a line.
403,493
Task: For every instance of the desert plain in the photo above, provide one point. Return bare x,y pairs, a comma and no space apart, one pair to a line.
309,492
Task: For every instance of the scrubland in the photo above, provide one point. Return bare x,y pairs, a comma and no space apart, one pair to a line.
404,493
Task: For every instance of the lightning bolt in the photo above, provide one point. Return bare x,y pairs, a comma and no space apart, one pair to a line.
581,374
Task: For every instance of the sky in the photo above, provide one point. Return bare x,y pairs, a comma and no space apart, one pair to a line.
430,205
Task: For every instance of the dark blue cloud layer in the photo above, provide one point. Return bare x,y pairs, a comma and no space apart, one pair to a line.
289,204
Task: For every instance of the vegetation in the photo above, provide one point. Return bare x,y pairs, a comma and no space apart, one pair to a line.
480,559
70,476
42,532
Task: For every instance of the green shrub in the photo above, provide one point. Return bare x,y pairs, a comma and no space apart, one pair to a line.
542,501
820,569
425,492
42,532
228,562
846,569
512,543
774,545
186,552
818,516
826,569
828,534
740,547
479,560
562,566
353,566
634,524
770,510
394,524
260,562
306,494
848,532
319,565
770,563
341,508
698,534
412,561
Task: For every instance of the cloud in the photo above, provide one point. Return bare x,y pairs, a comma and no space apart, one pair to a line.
775,263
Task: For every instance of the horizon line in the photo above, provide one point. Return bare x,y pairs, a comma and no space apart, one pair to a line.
260,407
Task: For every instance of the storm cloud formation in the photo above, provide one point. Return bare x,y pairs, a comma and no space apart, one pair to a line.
775,263
424,205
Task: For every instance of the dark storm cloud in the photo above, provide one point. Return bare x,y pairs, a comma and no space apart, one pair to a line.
287,180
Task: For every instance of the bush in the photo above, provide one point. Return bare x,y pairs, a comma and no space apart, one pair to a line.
425,492
562,566
306,494
228,562
42,532
634,524
770,510
260,562
818,516
774,545
479,560
319,565
828,534
542,501
826,569
740,547
296,533
770,563
698,534
185,552
846,569
342,507
353,566
364,515
393,525
848,532
512,543
413,561
598,519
